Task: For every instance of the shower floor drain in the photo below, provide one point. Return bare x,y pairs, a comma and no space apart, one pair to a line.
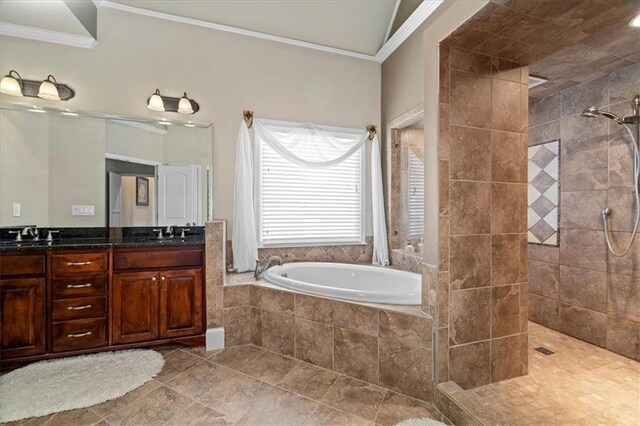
544,351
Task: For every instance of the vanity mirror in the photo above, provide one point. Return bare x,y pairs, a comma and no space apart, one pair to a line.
61,168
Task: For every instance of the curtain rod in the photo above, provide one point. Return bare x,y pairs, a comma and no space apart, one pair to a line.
248,119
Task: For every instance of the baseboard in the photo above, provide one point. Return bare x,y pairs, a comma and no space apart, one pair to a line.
215,338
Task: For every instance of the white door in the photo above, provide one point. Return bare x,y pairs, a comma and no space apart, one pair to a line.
115,199
178,195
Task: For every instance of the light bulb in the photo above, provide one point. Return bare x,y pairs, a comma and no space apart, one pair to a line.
49,89
10,85
184,106
155,102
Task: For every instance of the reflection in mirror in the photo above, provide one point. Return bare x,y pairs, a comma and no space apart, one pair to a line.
92,170
406,180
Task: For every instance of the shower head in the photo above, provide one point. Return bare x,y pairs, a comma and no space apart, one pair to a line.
591,112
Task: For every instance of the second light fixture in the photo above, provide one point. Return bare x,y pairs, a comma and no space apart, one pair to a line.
183,105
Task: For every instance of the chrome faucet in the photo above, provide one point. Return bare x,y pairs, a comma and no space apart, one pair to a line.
257,274
169,231
31,231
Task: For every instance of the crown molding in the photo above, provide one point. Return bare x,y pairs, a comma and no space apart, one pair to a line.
47,36
234,30
426,8
391,21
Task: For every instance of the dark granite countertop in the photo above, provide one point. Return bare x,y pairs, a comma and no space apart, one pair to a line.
97,243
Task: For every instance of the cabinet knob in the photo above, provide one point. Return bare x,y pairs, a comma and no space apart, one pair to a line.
154,279
162,278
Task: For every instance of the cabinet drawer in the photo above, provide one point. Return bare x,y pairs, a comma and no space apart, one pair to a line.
63,288
79,334
79,263
22,265
82,307
151,259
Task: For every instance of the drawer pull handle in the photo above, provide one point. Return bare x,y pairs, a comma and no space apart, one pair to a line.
79,263
88,333
78,308
79,285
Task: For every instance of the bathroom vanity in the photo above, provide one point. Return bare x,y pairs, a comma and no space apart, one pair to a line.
63,301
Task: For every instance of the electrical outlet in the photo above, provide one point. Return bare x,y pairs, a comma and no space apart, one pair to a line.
80,210
16,209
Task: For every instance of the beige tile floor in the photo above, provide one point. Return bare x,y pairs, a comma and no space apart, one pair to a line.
245,385
580,384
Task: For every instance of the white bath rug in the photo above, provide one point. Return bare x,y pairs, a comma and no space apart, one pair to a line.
424,421
63,384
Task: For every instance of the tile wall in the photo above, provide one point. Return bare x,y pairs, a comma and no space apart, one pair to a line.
387,348
579,288
479,297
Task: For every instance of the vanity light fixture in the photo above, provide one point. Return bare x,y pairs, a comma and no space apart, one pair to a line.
164,123
36,109
70,113
50,89
11,84
183,105
635,22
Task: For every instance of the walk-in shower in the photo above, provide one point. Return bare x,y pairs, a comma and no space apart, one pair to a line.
631,123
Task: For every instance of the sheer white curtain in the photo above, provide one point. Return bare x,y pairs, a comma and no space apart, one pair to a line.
303,144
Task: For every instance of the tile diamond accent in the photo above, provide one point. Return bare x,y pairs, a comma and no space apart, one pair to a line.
543,177
543,157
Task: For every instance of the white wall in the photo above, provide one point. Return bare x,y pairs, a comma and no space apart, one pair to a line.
133,215
225,73
25,164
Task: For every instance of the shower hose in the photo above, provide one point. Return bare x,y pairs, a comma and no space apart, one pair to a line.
606,212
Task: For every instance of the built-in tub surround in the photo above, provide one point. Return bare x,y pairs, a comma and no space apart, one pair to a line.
480,294
385,345
579,288
406,260
349,282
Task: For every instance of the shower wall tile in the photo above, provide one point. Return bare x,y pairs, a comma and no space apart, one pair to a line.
506,106
469,315
544,278
544,132
543,111
475,63
508,157
470,365
583,171
582,209
620,166
623,217
544,253
592,93
580,134
623,337
583,287
584,324
624,84
470,261
544,311
624,297
443,242
506,361
628,264
470,153
506,207
505,259
583,249
470,99
505,70
443,187
470,207
505,311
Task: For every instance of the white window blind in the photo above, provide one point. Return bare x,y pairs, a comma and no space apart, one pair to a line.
299,205
416,195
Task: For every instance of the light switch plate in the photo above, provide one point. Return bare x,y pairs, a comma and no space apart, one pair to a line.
16,209
82,210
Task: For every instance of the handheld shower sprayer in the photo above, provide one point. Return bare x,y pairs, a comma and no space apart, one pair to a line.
633,121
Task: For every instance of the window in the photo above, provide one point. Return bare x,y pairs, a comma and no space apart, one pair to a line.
299,205
544,175
416,195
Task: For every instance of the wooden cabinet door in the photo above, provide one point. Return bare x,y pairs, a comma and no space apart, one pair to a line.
135,307
180,302
22,316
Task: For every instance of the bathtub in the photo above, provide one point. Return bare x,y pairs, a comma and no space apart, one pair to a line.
352,282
